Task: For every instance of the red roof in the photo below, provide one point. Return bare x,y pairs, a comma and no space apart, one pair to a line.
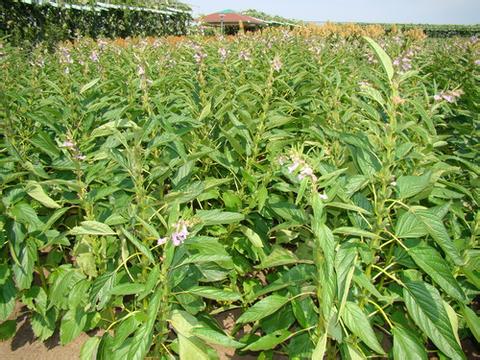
230,18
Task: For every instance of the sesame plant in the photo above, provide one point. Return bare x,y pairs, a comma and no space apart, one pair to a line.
322,191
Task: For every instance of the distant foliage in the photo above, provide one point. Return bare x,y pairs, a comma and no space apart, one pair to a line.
33,23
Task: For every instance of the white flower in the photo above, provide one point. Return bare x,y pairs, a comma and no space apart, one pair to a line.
162,241
277,64
323,196
294,166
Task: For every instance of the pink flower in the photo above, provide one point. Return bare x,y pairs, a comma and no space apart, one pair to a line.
94,56
477,62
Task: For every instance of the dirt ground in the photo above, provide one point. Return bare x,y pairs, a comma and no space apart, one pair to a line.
24,346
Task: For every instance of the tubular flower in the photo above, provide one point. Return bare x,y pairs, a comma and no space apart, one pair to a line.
277,64
178,236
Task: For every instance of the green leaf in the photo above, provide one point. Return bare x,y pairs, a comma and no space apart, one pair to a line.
127,289
89,348
320,348
383,56
357,321
214,337
122,332
214,293
72,325
350,353
346,230
89,85
344,267
7,329
23,272
473,321
92,228
205,112
26,215
64,279
406,345
100,291
409,186
44,326
139,245
36,191
346,206
152,281
219,217
269,341
252,236
420,221
430,261
190,346
263,308
142,340
425,306
278,257
42,141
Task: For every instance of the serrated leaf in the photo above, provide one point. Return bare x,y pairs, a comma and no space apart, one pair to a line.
23,271
406,345
430,261
92,228
263,308
72,325
357,321
418,222
409,186
44,326
426,309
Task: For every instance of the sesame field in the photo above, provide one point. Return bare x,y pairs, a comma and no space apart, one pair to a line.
322,191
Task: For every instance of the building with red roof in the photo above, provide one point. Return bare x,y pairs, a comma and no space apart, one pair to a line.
229,19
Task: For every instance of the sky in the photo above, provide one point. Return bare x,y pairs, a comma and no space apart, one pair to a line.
382,11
